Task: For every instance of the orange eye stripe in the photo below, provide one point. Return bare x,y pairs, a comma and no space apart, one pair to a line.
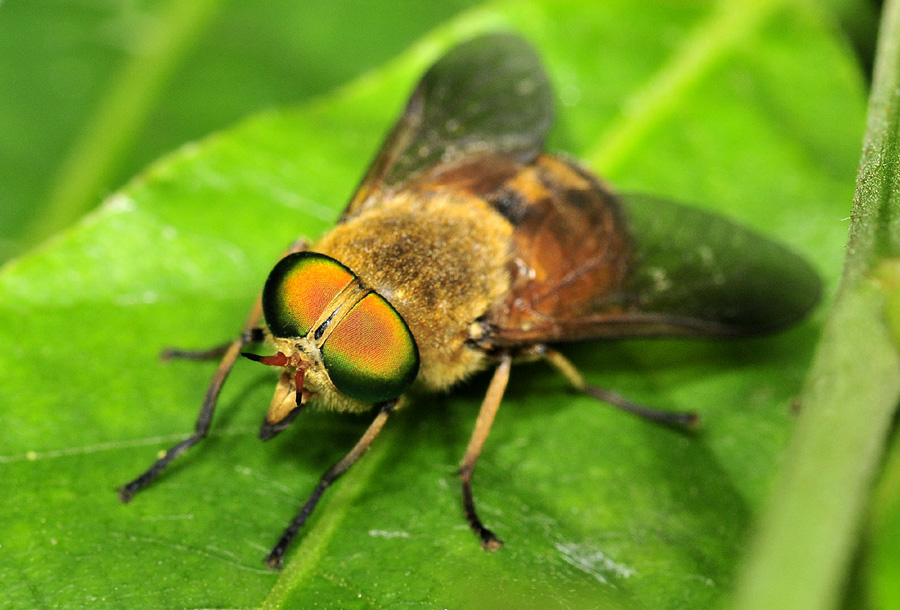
307,291
299,289
369,337
371,354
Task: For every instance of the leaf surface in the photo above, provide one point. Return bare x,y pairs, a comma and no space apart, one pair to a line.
596,509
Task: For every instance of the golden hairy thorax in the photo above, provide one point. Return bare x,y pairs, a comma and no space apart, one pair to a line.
512,246
441,260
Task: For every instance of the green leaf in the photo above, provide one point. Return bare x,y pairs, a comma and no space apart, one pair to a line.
597,509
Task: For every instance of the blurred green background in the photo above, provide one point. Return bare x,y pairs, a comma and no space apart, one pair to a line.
93,90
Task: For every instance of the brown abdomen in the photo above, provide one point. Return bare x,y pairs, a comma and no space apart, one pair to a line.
572,253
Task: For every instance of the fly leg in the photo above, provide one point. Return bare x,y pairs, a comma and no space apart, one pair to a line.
254,335
229,353
489,406
275,558
675,419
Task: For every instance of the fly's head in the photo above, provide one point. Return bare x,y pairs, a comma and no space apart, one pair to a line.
338,342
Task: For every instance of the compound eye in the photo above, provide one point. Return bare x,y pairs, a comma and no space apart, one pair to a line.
299,289
371,355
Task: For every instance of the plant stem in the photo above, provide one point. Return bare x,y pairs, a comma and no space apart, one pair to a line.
809,530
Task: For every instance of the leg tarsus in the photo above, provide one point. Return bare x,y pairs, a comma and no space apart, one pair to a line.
269,431
253,335
126,492
176,353
489,540
275,558
676,419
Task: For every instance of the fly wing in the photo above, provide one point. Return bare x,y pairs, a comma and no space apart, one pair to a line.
589,264
487,96
699,268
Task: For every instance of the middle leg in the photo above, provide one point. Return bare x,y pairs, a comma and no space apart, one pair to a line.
489,406
677,419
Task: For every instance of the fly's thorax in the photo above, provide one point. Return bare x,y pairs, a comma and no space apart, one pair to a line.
441,260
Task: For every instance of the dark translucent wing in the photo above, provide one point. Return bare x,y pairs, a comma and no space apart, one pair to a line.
489,95
694,266
590,264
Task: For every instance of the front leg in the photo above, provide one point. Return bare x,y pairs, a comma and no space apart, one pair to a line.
275,558
230,354
251,333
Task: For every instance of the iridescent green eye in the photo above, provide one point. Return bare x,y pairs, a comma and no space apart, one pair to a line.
299,289
371,355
